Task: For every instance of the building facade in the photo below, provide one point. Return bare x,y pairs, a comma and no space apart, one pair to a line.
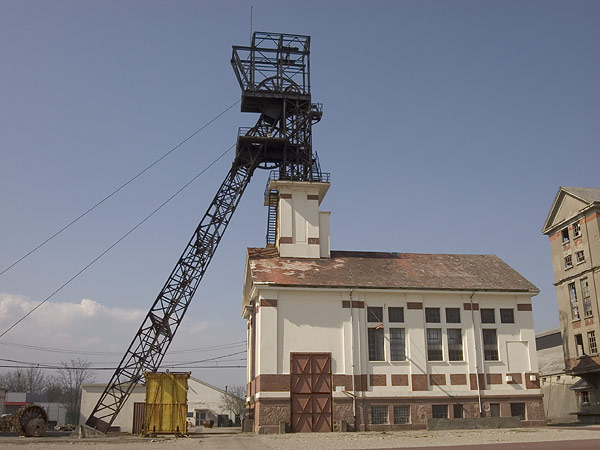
560,399
573,226
381,341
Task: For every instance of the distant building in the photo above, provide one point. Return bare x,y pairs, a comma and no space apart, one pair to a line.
204,403
381,341
560,400
573,226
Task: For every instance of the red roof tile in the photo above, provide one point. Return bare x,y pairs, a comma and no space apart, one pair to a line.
388,271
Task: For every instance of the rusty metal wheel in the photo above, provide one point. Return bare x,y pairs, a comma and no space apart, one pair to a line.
278,84
32,420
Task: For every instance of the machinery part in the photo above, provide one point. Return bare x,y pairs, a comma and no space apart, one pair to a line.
31,420
275,81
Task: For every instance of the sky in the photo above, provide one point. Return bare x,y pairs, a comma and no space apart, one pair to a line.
448,127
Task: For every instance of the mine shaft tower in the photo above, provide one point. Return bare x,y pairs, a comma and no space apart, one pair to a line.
274,74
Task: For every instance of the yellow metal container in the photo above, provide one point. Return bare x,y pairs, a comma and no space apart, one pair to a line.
166,403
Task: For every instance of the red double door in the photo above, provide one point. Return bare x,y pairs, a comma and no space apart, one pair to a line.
312,403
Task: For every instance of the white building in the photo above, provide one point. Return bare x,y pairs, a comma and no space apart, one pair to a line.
381,340
204,403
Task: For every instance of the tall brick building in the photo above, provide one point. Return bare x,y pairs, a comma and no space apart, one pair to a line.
573,226
381,341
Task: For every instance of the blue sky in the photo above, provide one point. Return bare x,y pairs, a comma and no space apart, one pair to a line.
448,127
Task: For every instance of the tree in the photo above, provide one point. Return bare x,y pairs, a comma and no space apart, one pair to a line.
31,379
234,400
71,376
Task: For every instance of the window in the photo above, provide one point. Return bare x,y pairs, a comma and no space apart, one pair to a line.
585,397
452,315
580,256
490,345
439,411
190,414
379,414
517,410
374,314
402,414
587,301
396,314
568,262
455,349
579,344
592,342
585,288
434,344
432,315
573,299
576,229
494,409
397,344
488,315
457,411
507,315
376,344
565,235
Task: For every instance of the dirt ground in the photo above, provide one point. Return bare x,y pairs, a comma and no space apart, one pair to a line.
304,441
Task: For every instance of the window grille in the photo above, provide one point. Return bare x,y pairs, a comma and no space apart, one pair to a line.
401,414
592,342
490,344
507,315
432,315
439,411
397,344
434,344
455,347
396,314
375,314
576,229
452,315
568,262
379,414
488,315
376,344
457,411
580,256
573,299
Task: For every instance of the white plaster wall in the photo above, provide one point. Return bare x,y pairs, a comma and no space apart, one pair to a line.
90,394
308,322
313,320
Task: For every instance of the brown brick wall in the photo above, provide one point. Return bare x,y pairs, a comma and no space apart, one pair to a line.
473,381
273,383
342,380
377,379
458,379
532,384
414,305
494,378
419,382
517,378
524,307
437,379
399,380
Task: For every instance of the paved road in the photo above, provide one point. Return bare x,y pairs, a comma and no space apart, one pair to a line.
588,444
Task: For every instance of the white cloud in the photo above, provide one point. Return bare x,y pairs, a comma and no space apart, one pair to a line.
90,327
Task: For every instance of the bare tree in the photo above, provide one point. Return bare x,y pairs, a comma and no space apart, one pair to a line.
71,376
31,379
234,400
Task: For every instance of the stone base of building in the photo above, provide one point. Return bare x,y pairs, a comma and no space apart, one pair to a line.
267,413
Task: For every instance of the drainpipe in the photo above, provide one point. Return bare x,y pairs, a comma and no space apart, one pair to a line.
475,339
352,350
